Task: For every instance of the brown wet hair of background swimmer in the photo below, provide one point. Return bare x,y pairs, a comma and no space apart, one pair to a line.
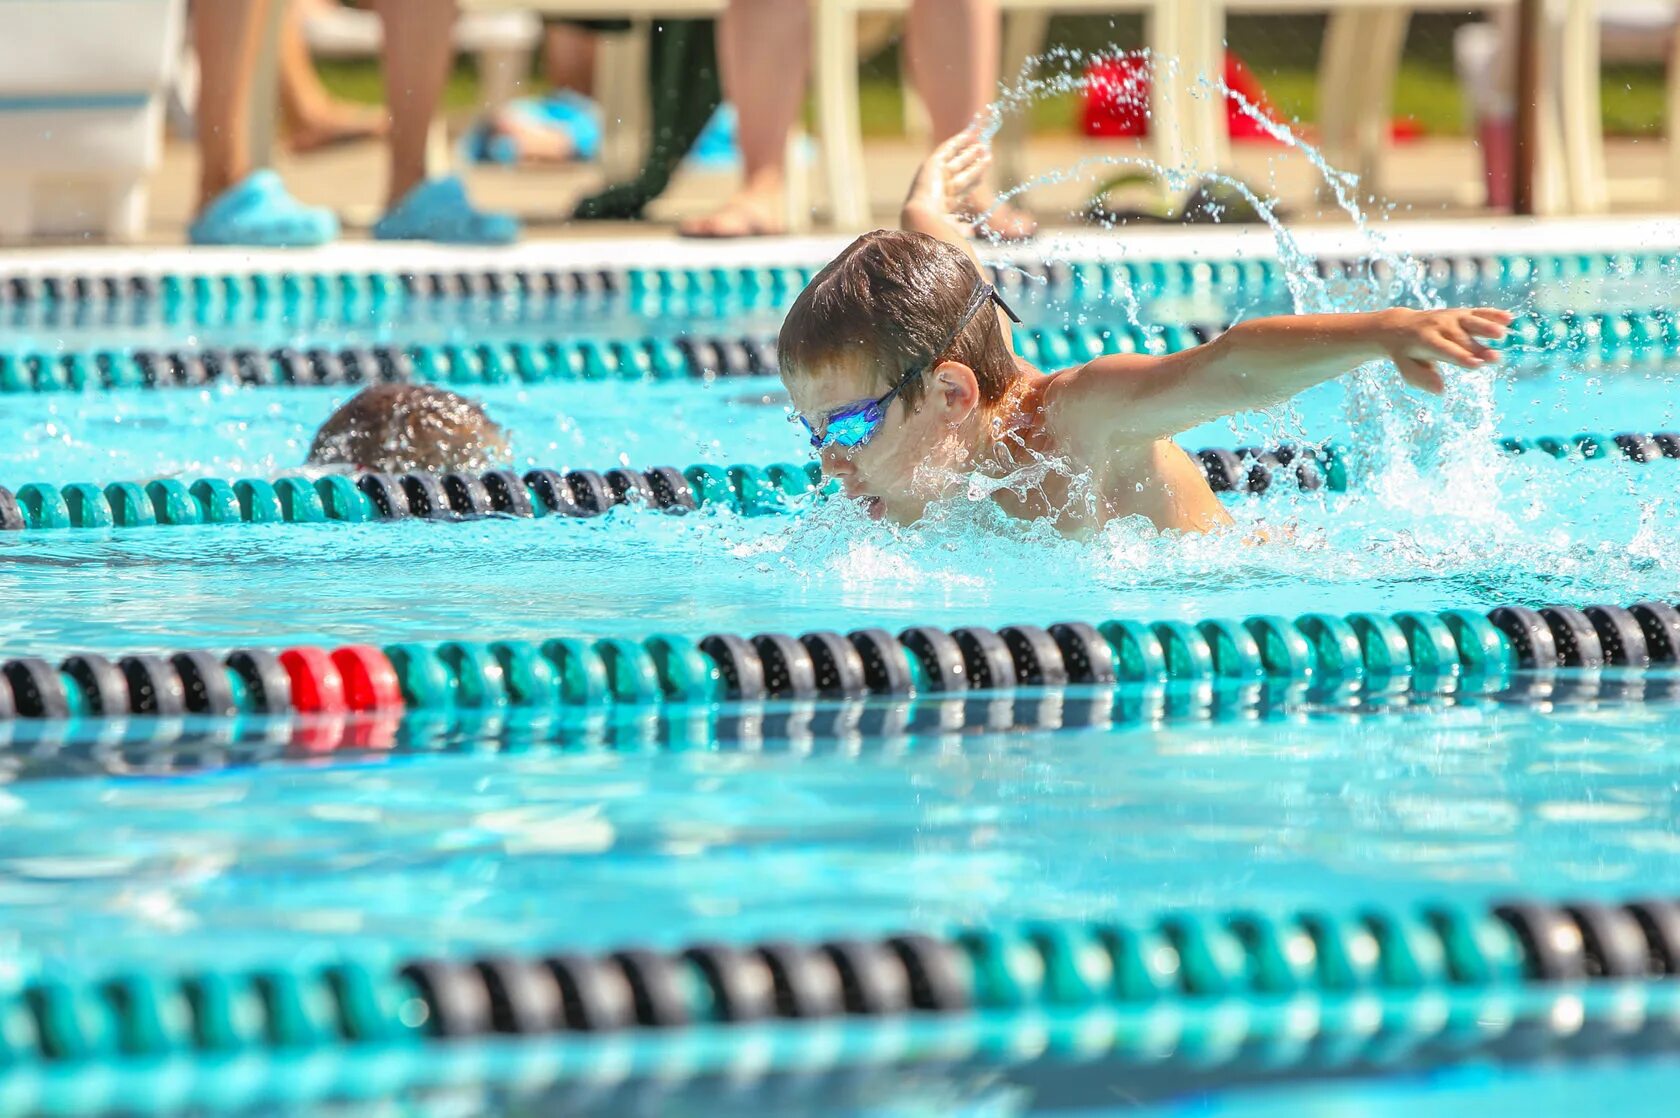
396,428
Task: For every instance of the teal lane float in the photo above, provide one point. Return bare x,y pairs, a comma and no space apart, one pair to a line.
1636,336
1319,650
1398,957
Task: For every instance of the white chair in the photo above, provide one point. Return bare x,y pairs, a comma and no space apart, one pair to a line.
1178,30
1185,116
1361,58
1578,36
82,90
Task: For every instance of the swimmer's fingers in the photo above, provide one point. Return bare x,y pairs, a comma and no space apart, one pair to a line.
1489,322
963,145
964,172
1421,374
948,151
1465,341
1448,343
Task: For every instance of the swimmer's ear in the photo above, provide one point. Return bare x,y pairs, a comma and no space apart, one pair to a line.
956,389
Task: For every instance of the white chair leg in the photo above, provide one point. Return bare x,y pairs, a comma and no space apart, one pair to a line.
125,215
1024,31
796,180
1357,70
17,202
1168,121
1203,24
621,68
834,54
1671,180
1551,186
1578,102
1375,103
500,74
1340,60
438,158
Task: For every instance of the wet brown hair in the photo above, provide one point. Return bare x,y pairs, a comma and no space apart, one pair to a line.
887,300
395,428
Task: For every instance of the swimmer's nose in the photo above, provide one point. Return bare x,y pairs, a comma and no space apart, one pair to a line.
835,463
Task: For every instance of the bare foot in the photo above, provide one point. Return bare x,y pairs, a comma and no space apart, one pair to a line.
532,141
337,123
745,215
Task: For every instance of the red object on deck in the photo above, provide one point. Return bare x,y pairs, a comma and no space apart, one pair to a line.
1116,100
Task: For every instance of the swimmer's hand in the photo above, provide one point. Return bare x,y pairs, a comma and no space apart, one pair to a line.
1416,340
946,179
940,196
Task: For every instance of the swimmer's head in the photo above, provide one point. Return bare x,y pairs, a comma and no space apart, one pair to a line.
396,428
882,310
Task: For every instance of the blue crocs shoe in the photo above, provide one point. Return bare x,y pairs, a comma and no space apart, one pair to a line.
258,211
438,210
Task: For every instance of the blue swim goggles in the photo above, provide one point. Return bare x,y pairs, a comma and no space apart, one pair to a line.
854,424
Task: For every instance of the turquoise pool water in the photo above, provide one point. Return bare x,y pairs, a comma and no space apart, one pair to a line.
1529,529
534,836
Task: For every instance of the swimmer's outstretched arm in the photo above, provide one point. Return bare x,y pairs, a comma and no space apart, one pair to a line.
941,185
1134,398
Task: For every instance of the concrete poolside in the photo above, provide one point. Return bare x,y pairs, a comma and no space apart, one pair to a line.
1437,177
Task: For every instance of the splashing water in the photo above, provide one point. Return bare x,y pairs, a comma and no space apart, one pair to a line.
1394,431
1436,504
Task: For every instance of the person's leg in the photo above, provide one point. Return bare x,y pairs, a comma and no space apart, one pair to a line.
419,45
764,51
235,205
953,48
314,117
227,35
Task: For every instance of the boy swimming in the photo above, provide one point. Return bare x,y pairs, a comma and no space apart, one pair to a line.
899,362
396,428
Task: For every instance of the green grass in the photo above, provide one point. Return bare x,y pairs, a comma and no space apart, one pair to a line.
360,80
1426,91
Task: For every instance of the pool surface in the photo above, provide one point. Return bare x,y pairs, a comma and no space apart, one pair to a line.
511,830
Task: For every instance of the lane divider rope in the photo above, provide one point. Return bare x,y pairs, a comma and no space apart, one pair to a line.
1320,649
259,293
743,488
107,746
375,497
747,489
1168,958
1643,334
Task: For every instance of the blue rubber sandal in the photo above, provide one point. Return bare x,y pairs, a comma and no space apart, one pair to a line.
438,210
258,211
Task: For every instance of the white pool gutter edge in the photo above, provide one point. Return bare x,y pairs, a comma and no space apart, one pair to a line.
1473,237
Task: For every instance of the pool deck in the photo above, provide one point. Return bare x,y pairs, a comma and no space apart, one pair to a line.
1427,180
1432,183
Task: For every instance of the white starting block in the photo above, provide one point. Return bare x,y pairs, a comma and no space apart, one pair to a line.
82,89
